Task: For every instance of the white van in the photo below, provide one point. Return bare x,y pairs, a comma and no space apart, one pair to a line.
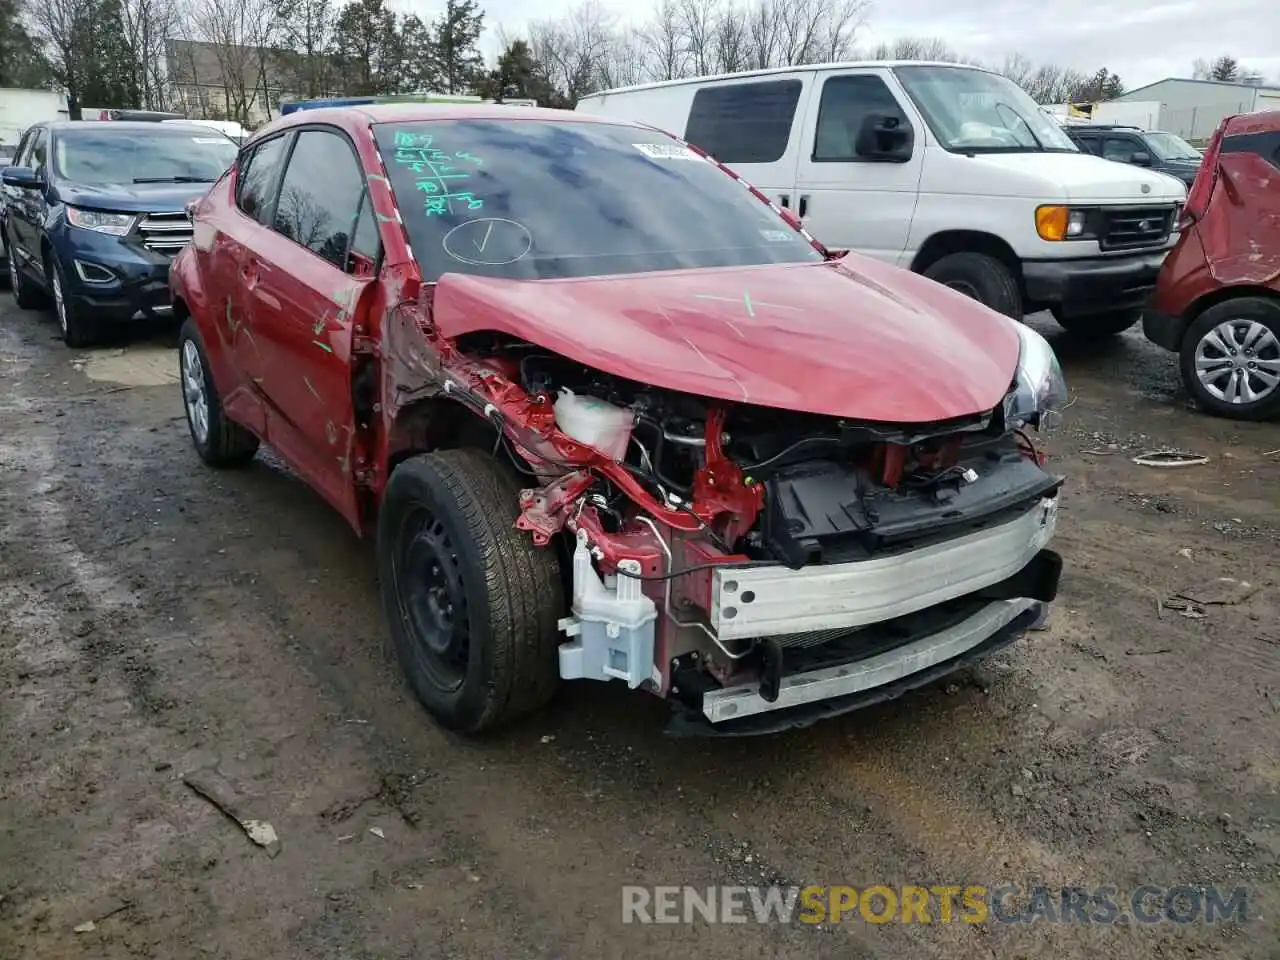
951,171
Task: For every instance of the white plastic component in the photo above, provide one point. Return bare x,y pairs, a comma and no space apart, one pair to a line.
594,422
612,628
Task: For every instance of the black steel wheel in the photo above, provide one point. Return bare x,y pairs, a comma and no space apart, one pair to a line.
471,603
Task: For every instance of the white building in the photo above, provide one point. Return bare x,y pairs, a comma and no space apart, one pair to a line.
1193,108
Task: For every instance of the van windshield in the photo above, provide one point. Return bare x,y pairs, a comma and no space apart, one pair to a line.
533,199
972,111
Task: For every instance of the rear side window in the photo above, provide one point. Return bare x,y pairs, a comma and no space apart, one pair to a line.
846,102
365,241
258,174
744,122
320,195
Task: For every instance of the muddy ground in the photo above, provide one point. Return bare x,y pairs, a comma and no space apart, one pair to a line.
158,619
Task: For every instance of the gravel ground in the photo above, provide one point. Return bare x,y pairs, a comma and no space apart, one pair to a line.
159,619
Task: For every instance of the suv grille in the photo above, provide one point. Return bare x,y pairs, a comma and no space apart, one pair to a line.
1127,227
165,233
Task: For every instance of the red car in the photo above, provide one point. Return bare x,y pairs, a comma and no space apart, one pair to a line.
1217,298
611,415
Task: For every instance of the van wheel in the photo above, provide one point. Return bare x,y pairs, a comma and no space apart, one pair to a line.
982,277
219,442
1095,326
471,603
1230,359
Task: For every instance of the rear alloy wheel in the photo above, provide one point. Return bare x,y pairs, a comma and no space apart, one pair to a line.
471,603
1230,359
1097,326
982,277
219,441
23,295
77,330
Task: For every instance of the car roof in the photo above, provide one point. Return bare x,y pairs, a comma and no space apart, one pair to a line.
123,126
410,112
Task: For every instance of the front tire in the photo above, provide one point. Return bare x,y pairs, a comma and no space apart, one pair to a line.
219,442
472,604
981,277
1097,326
1230,359
77,329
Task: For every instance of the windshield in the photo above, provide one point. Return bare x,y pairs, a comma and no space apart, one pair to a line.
972,111
1168,146
98,154
529,199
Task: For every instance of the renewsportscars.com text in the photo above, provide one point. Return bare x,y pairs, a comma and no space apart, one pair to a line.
937,903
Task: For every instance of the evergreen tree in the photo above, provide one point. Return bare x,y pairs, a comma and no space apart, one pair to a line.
455,36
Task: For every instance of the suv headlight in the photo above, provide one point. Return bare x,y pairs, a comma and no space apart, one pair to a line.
99,221
1039,387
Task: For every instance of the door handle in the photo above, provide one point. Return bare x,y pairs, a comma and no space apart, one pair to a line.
804,205
784,200
249,272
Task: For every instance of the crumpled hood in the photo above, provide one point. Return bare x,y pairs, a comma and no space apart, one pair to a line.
856,339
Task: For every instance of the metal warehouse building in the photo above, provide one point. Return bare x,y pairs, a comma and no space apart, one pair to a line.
1193,108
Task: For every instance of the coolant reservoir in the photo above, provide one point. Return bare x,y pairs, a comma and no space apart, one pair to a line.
594,422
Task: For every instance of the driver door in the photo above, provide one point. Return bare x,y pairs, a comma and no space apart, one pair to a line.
847,200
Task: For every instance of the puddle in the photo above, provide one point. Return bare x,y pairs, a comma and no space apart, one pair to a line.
134,366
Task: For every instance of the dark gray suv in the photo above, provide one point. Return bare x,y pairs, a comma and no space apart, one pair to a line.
1166,152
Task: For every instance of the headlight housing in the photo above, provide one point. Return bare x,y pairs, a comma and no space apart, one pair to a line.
100,221
1065,223
1040,390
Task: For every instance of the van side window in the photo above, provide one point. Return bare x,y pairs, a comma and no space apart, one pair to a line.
846,102
1090,145
744,122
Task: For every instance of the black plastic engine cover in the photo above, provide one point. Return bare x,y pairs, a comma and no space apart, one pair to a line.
827,512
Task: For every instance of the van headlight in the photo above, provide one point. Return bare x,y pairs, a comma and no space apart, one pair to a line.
1039,389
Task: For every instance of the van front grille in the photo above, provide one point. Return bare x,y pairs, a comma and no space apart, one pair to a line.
1125,228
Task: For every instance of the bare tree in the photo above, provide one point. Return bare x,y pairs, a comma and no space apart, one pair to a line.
574,50
664,43
697,19
66,28
236,33
148,25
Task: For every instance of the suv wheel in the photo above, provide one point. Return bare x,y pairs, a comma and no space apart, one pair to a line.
982,277
23,295
472,604
1096,326
219,441
77,329
1230,359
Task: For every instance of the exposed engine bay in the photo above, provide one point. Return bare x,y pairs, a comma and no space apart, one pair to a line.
742,559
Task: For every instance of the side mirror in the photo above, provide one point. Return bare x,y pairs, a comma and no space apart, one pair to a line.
790,216
22,177
884,137
1141,158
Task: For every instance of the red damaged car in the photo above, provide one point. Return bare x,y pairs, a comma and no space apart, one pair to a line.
1217,298
610,415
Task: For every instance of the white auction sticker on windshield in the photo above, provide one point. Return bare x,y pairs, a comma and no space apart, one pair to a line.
666,151
778,236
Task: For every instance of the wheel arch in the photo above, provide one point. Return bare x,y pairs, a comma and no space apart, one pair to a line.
946,242
1223,295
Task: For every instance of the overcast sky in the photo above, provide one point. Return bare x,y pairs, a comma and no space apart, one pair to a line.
1141,40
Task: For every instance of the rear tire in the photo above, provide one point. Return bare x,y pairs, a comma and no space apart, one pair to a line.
471,603
981,277
24,295
1243,324
1098,326
219,442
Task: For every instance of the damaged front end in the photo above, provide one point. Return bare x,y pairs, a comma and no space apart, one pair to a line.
759,567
